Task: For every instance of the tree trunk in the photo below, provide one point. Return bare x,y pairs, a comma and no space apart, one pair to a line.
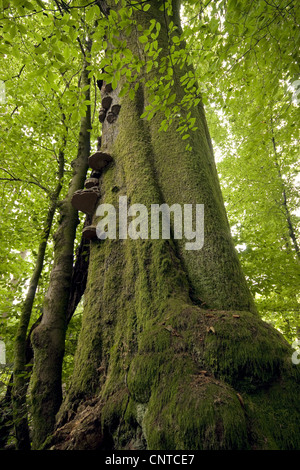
20,361
6,415
284,202
172,354
78,285
49,337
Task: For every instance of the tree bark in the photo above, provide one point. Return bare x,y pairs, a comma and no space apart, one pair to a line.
172,354
49,337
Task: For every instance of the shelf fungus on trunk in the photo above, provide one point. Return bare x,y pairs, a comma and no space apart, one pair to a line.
85,200
95,174
91,183
116,109
102,114
106,102
108,88
99,160
89,233
113,113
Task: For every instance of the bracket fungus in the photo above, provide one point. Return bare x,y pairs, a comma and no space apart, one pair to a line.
85,200
91,183
111,117
116,109
108,88
95,174
99,160
113,113
89,233
102,114
106,102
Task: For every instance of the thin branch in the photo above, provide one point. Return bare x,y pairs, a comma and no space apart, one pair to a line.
95,102
26,182
18,75
81,46
284,202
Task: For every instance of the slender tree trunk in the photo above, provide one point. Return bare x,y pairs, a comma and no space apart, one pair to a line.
20,370
172,354
49,337
20,362
6,415
79,275
287,212
78,285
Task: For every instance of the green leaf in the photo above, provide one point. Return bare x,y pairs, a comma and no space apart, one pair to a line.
93,13
131,93
143,39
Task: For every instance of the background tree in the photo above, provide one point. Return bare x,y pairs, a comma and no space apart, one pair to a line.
37,112
253,61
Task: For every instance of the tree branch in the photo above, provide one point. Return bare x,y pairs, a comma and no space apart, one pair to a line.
16,179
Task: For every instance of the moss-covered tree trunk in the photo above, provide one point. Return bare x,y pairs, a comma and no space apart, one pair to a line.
172,354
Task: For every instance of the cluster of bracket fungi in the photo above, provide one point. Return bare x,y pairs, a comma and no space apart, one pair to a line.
85,200
108,110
